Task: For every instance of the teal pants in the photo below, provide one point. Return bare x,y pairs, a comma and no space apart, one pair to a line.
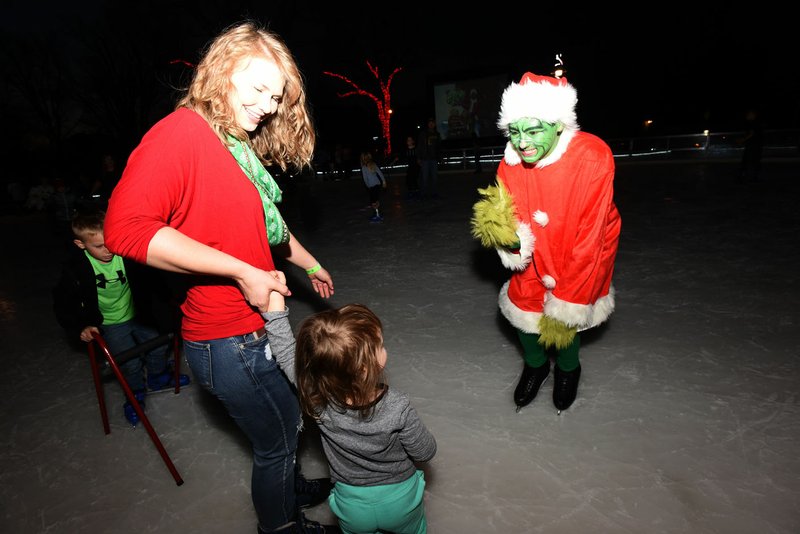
393,508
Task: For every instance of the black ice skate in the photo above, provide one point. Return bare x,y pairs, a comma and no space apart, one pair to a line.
565,388
529,383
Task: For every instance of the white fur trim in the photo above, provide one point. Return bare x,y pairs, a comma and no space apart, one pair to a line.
539,100
523,320
515,262
582,316
541,218
529,321
548,281
526,238
518,262
511,155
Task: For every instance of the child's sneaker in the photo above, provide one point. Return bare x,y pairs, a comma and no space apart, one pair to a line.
376,219
130,411
166,380
311,492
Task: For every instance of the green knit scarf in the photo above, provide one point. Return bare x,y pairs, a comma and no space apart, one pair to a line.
277,230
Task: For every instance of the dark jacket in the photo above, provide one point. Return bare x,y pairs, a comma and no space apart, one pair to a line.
429,144
75,296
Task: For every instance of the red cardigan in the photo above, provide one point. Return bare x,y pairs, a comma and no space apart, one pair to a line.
181,175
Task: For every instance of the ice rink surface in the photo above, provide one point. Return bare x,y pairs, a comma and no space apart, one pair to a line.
687,417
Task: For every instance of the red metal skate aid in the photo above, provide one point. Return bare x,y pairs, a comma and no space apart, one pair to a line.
114,364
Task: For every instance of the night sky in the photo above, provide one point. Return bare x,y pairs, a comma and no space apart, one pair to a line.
686,66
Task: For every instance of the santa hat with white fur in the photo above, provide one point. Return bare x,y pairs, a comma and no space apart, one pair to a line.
538,97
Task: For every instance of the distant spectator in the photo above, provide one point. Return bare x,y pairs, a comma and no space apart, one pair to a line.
409,157
428,151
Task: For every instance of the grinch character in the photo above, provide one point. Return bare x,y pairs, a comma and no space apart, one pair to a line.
552,219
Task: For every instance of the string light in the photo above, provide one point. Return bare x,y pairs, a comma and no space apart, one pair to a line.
383,103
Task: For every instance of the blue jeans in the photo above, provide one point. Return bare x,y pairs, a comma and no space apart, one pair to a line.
123,336
258,397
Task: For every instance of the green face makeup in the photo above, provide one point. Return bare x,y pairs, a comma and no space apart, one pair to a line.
532,138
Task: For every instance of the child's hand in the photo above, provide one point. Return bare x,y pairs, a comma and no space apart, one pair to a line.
257,284
86,333
277,302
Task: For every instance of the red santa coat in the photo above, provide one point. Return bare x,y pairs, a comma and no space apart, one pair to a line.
569,231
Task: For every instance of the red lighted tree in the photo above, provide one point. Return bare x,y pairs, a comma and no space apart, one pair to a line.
383,102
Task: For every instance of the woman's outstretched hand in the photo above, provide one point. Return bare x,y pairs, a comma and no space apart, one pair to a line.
322,283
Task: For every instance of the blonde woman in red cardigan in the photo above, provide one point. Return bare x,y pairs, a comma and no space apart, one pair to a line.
196,198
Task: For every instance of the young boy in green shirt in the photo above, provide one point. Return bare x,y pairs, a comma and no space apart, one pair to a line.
94,295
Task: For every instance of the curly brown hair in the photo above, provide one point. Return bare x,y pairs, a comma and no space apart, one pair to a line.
336,360
285,138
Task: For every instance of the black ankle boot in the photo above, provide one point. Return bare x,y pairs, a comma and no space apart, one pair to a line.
311,492
529,383
565,388
304,526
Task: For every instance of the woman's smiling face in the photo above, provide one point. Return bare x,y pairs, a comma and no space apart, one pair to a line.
257,91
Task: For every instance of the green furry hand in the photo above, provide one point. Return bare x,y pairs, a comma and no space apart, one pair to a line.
554,333
494,219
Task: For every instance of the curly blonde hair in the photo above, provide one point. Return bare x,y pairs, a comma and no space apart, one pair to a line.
286,138
336,360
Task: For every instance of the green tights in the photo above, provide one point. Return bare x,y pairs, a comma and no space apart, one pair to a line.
535,355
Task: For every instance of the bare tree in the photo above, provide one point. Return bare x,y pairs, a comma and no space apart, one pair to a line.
382,102
39,86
